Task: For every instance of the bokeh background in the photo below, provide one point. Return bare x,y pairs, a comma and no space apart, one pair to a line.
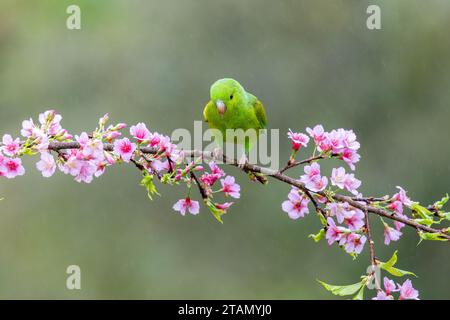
308,61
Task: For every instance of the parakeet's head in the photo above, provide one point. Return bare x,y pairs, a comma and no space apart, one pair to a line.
226,95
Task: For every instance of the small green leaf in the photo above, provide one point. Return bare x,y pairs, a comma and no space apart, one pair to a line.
389,267
360,295
217,213
343,290
441,203
425,222
423,212
147,182
318,236
431,236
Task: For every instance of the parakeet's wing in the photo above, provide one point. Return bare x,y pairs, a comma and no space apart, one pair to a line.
260,114
208,105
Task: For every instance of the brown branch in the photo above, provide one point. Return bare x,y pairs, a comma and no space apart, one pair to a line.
373,260
354,202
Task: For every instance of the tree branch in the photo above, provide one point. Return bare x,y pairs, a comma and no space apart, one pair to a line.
359,203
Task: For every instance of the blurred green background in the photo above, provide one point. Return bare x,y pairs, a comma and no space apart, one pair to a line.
308,61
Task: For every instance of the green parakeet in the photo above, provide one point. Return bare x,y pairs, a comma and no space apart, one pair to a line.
231,107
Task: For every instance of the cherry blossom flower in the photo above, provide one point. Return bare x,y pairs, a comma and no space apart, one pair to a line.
407,292
298,140
10,147
223,206
354,219
381,295
124,148
338,177
87,171
402,197
312,178
350,157
159,165
140,132
389,286
209,178
296,206
215,169
13,167
187,204
317,133
390,234
230,188
355,243
27,128
333,233
155,139
46,165
339,210
396,206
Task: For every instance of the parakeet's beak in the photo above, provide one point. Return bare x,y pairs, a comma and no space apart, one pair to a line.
221,107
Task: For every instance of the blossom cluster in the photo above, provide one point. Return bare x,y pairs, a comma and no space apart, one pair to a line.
406,291
106,146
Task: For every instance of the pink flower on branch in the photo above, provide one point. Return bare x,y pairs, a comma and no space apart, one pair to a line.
390,234
140,132
407,292
46,165
12,167
296,206
10,146
298,140
230,187
124,149
187,204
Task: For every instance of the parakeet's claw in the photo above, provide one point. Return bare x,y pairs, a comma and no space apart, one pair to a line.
218,154
242,162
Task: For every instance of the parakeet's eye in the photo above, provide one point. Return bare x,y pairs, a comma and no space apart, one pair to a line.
231,97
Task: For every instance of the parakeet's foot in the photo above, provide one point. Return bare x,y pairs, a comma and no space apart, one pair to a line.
218,154
242,161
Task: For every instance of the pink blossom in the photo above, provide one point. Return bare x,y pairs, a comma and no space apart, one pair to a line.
402,197
333,233
338,177
215,169
318,184
381,295
349,140
27,128
296,206
12,167
46,165
124,148
87,171
351,184
339,210
93,149
396,206
82,139
407,292
140,132
317,133
10,147
187,204
159,165
354,219
209,178
72,166
355,243
155,139
350,157
223,206
168,148
298,140
312,178
389,285
390,234
230,188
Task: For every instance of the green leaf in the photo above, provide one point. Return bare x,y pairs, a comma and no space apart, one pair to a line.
318,236
343,290
431,236
217,213
425,222
441,203
423,212
360,295
147,182
389,267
